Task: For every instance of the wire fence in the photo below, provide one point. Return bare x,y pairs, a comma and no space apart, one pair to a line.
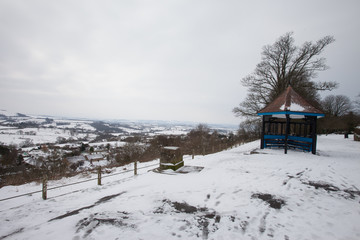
98,178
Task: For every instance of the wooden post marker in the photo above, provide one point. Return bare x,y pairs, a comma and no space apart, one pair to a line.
135,168
44,188
99,175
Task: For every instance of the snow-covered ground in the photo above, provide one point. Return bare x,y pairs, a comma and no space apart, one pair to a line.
37,135
74,124
243,193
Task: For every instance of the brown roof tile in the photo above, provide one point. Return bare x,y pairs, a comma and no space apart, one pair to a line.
290,100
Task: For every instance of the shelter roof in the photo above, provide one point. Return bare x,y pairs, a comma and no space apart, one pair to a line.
290,101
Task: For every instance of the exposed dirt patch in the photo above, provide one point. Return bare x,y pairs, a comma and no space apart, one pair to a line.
184,207
274,202
75,212
352,193
206,220
323,185
346,193
89,224
297,176
13,233
107,198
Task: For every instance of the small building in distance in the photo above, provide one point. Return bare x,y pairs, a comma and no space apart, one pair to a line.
33,162
94,157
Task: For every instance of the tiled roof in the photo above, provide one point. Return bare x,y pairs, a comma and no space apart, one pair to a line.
75,159
290,100
94,157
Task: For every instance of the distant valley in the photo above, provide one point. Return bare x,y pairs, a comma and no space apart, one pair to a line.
22,129
32,146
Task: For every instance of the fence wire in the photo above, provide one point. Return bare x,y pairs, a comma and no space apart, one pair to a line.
70,184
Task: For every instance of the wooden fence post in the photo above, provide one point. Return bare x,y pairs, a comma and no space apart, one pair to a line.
193,153
99,175
44,188
135,168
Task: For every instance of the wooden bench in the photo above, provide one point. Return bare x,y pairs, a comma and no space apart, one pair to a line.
294,142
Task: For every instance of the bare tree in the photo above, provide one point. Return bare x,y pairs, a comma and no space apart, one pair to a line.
130,152
282,64
8,155
357,104
198,138
249,130
336,105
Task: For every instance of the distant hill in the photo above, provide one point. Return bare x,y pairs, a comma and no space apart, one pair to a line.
18,128
6,114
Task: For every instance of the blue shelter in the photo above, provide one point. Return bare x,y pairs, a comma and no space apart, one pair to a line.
289,122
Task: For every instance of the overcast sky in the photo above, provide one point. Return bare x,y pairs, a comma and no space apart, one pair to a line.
158,60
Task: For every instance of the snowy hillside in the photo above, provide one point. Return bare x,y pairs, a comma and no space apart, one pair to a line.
23,130
243,193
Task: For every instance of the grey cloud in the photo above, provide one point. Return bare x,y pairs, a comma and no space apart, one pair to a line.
140,57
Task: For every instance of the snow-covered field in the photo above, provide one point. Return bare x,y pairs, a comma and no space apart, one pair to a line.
37,135
241,193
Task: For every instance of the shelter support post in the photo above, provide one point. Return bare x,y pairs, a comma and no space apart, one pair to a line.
262,144
287,130
313,134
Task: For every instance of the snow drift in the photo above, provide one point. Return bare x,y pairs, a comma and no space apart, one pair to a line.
243,193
